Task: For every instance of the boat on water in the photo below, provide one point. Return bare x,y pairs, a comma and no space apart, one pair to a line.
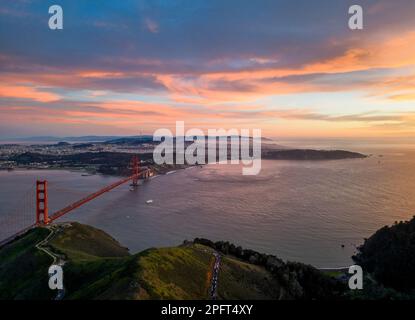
149,201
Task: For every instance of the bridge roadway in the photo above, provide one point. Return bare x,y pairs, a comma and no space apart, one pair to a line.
144,173
94,195
88,198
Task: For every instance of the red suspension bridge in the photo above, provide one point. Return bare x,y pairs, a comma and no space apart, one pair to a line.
42,209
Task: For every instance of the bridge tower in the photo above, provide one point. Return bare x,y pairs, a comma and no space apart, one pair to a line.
42,202
135,165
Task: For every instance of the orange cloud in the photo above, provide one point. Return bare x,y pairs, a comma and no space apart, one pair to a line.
400,88
25,92
403,97
211,88
212,92
391,53
100,74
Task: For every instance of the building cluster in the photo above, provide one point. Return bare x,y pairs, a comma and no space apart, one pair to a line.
9,151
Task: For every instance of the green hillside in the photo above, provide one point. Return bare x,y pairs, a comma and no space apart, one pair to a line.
240,280
96,266
23,268
175,273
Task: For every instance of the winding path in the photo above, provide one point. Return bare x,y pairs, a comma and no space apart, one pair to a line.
215,276
57,259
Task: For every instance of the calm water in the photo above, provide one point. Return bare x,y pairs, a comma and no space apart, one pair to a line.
299,211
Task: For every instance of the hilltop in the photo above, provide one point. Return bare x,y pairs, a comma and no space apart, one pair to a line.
310,154
96,266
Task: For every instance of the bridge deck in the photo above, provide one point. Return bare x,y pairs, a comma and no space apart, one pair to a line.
143,173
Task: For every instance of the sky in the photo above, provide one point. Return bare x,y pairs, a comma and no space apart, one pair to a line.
290,68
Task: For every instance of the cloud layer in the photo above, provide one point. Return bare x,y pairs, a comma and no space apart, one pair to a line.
290,68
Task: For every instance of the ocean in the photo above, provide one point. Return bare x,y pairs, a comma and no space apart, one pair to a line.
312,212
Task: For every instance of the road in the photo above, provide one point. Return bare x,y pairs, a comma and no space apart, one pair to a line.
215,276
57,259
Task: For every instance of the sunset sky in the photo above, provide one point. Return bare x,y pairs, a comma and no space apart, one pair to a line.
291,68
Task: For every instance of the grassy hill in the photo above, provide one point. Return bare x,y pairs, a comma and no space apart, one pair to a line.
239,280
23,268
98,267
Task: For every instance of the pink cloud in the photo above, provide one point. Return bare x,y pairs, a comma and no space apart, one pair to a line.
26,92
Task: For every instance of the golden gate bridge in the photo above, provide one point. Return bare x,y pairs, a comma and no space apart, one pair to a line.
42,216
